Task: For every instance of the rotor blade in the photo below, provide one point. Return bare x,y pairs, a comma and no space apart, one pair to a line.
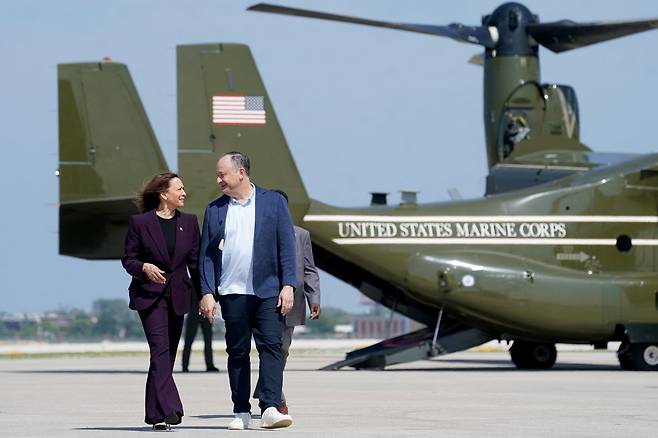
468,34
560,36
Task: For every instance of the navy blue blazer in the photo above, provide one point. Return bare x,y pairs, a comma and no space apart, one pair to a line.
274,245
145,243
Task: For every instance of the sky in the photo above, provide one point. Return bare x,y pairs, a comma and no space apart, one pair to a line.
363,109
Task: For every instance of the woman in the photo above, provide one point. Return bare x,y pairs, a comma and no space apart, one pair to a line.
161,245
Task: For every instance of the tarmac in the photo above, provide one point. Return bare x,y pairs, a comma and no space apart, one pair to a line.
469,394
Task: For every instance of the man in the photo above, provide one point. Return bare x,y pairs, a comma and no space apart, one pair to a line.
247,258
308,289
192,322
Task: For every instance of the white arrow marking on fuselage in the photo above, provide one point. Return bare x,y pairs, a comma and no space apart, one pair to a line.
581,256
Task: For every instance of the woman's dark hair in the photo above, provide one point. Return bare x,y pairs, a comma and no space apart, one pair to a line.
149,197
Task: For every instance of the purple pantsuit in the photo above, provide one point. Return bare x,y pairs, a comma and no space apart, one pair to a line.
163,330
161,307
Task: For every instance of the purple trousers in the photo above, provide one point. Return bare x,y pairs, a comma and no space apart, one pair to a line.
162,328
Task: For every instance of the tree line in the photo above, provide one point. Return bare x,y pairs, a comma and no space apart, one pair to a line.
111,319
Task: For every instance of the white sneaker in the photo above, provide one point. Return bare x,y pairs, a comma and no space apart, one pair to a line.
240,422
272,419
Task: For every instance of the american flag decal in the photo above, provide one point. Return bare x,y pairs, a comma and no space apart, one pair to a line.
238,110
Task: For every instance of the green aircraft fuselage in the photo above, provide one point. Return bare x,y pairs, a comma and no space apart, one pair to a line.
555,263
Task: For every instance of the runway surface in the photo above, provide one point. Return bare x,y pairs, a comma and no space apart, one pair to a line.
471,394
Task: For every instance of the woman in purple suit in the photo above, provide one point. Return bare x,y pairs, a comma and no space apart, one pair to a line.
162,244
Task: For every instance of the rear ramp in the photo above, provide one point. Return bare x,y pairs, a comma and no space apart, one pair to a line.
419,345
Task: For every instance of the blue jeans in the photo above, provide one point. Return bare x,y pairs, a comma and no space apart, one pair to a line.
244,316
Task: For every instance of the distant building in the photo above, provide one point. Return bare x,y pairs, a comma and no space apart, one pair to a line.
379,323
379,326
344,330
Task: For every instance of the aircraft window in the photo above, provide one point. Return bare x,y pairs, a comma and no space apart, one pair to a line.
624,243
516,130
570,95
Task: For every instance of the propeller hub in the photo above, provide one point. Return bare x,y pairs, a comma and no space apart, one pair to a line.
511,20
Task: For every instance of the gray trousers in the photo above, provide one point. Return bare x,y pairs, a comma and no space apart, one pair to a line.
286,340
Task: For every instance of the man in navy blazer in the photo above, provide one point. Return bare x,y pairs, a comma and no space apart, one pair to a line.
247,263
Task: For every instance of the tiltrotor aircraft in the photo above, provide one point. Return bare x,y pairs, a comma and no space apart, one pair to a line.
562,248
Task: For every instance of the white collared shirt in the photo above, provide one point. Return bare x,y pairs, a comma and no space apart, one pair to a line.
238,247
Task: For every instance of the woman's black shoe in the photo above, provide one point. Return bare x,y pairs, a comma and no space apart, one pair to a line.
161,426
173,419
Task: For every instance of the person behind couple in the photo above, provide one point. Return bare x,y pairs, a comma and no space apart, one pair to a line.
192,323
308,289
247,258
161,246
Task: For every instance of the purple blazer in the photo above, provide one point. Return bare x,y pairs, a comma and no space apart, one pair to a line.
145,243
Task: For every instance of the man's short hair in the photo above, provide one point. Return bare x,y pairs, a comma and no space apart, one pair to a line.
239,159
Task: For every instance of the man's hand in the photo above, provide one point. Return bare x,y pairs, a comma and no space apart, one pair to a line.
286,300
315,311
207,307
154,273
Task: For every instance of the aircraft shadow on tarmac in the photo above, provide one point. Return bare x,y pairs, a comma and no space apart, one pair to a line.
505,365
443,365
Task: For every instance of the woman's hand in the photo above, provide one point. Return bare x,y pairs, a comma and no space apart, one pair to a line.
154,273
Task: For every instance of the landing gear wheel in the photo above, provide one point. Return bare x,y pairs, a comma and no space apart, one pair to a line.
638,357
533,356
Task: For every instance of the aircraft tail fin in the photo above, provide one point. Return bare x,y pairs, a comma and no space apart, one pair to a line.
223,106
107,150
